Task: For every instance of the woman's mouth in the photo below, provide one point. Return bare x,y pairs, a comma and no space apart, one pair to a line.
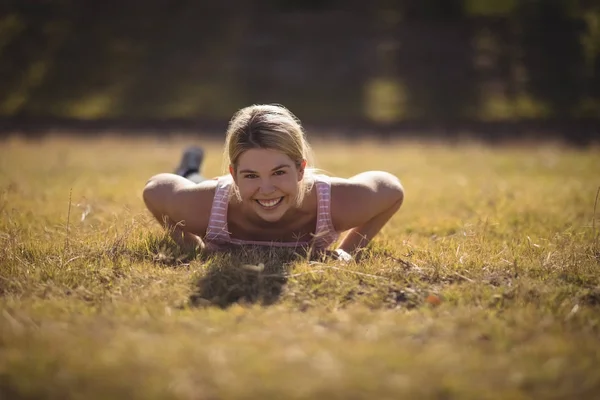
271,203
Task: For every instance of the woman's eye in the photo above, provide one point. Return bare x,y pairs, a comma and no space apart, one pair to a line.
250,176
280,172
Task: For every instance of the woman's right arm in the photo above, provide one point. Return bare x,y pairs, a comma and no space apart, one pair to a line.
181,206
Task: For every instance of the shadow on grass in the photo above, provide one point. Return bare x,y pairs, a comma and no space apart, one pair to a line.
259,275
249,275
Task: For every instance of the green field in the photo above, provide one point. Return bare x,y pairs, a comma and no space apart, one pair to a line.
96,303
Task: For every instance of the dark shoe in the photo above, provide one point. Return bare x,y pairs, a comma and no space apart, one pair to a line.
190,161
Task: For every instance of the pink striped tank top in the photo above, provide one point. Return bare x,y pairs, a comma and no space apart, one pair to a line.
218,236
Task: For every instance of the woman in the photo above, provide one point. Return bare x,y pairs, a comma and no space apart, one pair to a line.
271,196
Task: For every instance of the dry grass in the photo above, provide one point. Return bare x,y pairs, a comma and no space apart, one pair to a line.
485,285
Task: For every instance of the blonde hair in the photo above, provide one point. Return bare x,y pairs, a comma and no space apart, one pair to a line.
268,126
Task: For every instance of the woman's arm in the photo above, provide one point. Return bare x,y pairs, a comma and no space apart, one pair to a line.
181,206
362,205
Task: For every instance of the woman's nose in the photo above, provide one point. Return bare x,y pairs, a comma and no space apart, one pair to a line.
266,186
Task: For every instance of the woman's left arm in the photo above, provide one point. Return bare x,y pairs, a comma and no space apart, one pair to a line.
362,205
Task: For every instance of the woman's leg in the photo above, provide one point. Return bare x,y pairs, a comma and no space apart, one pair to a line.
189,166
195,177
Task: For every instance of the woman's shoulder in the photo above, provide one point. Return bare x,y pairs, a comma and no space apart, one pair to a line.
336,185
184,200
210,189
340,198
317,176
359,198
200,194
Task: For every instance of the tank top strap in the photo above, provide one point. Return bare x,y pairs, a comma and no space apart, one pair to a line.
324,229
217,223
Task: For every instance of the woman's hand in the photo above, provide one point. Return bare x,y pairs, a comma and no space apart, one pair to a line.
337,254
343,256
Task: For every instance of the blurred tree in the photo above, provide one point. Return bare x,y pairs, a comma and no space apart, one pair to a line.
591,43
337,61
32,35
312,60
436,59
553,56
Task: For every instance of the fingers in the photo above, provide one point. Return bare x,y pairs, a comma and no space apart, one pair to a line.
343,256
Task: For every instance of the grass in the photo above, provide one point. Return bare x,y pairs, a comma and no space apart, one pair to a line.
485,285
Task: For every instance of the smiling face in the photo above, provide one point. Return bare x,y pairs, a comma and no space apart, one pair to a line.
268,182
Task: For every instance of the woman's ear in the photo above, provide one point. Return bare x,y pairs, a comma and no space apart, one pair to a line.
301,170
232,172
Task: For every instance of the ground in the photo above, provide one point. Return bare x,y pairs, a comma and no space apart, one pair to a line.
486,283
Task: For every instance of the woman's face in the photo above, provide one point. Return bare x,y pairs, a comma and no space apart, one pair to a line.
268,181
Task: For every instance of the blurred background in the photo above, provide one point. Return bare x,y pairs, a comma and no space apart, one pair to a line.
490,68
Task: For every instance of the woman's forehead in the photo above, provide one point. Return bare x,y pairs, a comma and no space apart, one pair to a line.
257,159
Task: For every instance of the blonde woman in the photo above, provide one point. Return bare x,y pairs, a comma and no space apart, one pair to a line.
271,195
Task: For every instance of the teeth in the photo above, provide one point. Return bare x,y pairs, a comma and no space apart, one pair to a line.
269,203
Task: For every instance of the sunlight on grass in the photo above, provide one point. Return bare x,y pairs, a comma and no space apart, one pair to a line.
195,99
490,7
499,107
386,100
484,285
32,77
94,105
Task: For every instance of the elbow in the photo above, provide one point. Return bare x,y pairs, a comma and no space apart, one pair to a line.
399,192
398,197
149,192
153,195
394,190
